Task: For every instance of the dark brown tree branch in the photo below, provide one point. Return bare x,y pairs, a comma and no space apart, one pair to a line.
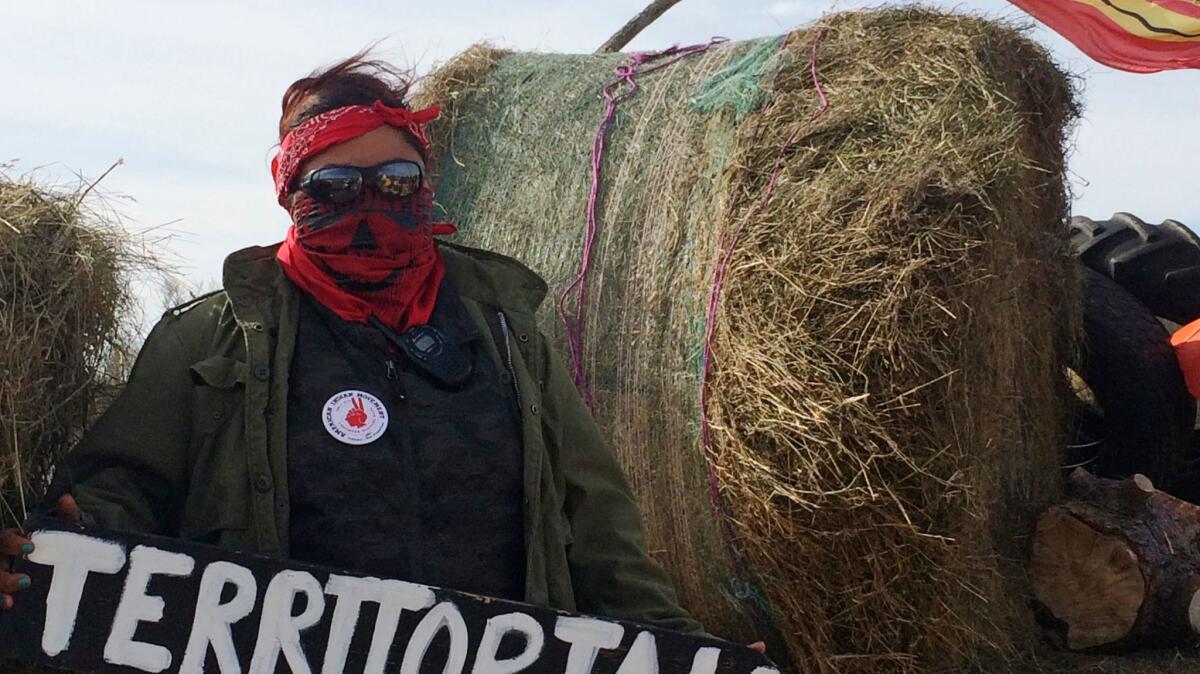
644,18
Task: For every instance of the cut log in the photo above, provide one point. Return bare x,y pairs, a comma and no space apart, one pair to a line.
1117,567
1089,580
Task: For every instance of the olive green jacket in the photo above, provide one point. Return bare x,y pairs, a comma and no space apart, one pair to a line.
195,446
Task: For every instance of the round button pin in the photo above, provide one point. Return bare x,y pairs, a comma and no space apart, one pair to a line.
355,417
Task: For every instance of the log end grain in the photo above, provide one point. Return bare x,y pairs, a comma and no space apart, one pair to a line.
1088,580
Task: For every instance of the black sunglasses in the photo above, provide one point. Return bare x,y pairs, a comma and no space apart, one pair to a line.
343,184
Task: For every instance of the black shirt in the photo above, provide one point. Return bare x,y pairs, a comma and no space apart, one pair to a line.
436,497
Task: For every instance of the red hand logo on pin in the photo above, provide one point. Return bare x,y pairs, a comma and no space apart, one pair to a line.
357,416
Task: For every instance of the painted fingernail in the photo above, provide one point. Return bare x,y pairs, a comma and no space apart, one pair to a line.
26,548
23,583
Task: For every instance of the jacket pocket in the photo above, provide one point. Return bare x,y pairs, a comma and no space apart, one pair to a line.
218,497
219,372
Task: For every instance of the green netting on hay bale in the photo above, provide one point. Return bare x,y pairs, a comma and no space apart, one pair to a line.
890,341
520,154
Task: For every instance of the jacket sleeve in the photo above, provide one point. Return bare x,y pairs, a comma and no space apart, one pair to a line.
127,471
611,572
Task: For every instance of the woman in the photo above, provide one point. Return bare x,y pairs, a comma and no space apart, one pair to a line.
365,397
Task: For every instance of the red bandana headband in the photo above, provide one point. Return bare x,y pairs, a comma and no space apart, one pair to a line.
339,125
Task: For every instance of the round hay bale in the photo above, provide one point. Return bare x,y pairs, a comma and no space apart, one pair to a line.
886,372
68,321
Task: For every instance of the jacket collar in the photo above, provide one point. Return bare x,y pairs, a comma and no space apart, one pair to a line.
254,281
492,278
450,317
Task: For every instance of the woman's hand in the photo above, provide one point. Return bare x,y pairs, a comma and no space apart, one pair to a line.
760,646
13,544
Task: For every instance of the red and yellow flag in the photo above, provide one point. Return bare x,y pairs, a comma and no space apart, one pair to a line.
1141,36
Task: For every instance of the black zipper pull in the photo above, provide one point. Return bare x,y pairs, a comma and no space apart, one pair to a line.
393,375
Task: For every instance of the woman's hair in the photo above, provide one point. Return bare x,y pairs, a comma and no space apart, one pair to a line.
357,80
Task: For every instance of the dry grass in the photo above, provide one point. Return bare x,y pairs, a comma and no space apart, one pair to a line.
67,320
894,327
886,387
448,86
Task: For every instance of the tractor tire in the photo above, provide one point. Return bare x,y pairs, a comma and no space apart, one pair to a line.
1159,264
1143,415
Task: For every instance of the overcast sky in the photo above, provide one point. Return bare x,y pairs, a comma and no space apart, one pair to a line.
187,93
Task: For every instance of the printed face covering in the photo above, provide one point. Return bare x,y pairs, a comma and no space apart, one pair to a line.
374,256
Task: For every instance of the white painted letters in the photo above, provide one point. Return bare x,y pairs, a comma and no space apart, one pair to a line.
393,597
705,660
642,657
586,636
444,615
351,593
295,611
494,632
136,606
213,618
1194,612
73,556
279,630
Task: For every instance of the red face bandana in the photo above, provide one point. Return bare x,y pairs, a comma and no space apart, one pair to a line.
374,256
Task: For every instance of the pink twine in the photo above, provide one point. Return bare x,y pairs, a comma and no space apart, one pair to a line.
725,256
574,329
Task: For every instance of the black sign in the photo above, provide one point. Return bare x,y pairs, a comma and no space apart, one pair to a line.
113,602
